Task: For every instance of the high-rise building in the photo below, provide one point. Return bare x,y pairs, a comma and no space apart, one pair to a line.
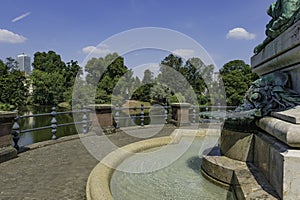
23,63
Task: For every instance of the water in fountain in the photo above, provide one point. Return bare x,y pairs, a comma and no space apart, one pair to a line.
180,180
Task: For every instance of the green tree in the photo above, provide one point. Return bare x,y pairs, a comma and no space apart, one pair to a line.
82,95
13,86
52,79
237,77
126,87
186,79
69,72
48,88
143,93
171,74
173,61
199,77
148,76
48,62
3,68
160,93
105,72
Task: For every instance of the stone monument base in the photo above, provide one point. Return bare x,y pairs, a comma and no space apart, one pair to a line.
245,178
270,156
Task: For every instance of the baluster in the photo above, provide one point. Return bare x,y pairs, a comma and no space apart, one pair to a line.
166,114
84,121
53,123
16,133
117,119
134,116
194,113
142,115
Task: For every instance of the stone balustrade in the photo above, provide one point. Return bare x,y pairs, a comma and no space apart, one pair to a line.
7,151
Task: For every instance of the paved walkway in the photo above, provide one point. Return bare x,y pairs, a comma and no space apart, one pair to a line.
57,171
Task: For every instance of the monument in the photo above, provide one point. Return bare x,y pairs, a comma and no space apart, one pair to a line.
259,150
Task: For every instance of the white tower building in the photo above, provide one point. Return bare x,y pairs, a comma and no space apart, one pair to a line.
23,63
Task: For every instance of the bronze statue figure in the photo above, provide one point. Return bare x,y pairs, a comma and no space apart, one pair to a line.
284,13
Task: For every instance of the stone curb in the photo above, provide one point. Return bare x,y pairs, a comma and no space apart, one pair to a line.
99,179
51,142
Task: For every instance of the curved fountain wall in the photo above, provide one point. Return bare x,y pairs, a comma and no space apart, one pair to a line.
98,184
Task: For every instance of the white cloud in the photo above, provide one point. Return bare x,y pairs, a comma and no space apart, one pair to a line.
240,34
10,37
184,52
20,17
100,50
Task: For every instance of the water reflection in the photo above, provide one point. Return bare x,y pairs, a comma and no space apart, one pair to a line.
34,122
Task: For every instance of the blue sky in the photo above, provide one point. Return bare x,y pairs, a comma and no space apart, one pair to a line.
226,29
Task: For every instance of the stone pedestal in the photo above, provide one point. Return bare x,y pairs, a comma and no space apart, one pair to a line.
277,145
279,164
237,145
102,116
7,152
282,54
277,152
180,114
271,154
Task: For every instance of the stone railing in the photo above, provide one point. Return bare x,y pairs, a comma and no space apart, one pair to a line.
7,152
53,125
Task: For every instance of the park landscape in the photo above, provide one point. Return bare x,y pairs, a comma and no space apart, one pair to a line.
179,128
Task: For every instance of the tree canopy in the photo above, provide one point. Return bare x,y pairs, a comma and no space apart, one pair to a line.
237,77
178,80
186,78
13,85
105,72
52,79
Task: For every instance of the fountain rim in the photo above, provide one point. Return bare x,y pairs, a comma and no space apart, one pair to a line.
98,183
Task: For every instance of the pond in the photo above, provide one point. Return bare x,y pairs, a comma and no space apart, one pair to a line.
34,122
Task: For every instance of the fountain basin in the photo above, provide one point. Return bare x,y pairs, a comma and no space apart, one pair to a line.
100,179
98,184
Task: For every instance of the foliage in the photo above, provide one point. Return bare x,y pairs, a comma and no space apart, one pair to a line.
105,72
13,85
148,77
83,95
52,79
189,79
177,98
3,68
48,62
237,77
129,87
160,93
48,87
171,74
176,82
143,91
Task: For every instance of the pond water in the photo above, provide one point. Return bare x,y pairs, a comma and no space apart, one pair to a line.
34,122
180,180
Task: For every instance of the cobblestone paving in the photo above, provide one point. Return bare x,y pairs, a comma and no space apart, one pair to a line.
58,171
